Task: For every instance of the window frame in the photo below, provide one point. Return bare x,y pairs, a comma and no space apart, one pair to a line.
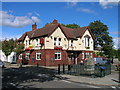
20,56
38,53
59,41
58,53
71,43
55,41
83,55
26,56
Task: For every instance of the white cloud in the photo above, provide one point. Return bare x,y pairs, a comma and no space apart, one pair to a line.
86,10
71,3
108,3
116,42
35,19
7,19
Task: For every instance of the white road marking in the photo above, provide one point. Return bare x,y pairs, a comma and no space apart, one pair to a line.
113,87
78,84
66,81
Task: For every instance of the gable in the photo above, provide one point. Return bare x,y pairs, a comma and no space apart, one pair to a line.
58,33
87,32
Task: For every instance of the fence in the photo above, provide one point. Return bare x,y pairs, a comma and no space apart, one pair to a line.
96,70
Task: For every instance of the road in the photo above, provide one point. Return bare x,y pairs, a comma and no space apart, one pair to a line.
33,77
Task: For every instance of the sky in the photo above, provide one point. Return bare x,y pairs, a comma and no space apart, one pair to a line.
18,17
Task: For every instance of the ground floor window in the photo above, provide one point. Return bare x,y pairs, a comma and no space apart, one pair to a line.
82,55
87,55
38,56
20,56
27,56
57,55
91,55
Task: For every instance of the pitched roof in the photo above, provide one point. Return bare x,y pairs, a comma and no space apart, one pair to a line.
48,29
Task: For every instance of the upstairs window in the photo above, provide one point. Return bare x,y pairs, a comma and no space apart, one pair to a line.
26,42
71,43
37,42
55,41
59,42
87,41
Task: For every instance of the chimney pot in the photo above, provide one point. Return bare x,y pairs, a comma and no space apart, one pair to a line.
34,27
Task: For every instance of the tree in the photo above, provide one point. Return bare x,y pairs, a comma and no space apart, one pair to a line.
118,54
102,38
11,45
71,25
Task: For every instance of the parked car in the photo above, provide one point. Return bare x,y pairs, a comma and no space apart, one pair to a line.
99,60
1,64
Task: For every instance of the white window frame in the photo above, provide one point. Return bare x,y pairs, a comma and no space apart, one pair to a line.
71,43
87,55
55,42
60,42
20,56
83,55
37,42
58,53
87,41
91,55
26,56
39,56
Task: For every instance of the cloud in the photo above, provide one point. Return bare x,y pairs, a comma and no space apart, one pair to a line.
115,32
108,3
71,3
86,10
7,19
116,41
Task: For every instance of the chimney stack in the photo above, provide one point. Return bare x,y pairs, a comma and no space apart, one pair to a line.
55,21
34,27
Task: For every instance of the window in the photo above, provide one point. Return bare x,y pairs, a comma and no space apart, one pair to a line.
36,42
27,56
29,42
59,42
87,41
55,41
91,55
82,55
20,56
26,42
71,43
38,56
87,55
58,55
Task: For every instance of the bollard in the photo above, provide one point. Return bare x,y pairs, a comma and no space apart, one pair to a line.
58,68
37,65
63,68
68,67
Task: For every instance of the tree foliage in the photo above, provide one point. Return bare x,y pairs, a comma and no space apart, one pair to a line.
102,38
71,25
11,45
